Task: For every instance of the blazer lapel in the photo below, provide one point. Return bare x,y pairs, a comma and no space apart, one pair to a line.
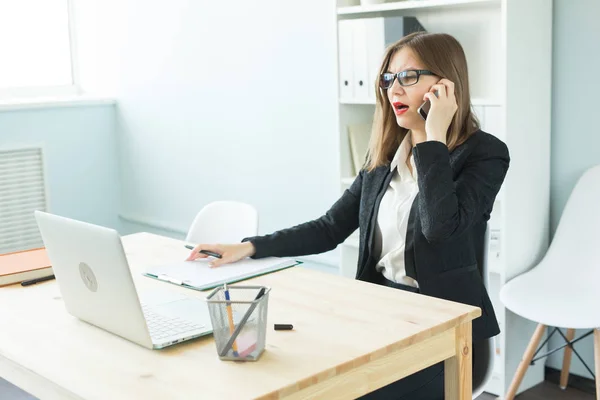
376,190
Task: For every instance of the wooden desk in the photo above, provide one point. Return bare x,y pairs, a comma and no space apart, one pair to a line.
350,338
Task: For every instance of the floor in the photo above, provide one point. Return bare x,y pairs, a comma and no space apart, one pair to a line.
547,391
11,392
544,391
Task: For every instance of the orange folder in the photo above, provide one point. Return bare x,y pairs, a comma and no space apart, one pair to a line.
23,265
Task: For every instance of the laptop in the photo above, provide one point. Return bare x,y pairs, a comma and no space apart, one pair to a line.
97,287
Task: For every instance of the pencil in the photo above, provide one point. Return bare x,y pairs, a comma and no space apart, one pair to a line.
230,318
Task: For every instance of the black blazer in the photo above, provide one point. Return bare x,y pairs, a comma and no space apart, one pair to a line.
446,225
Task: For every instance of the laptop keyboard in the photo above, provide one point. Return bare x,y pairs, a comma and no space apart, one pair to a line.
162,326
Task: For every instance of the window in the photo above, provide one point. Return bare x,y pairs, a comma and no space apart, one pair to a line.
35,47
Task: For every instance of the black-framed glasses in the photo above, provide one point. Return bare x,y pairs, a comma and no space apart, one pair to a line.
405,78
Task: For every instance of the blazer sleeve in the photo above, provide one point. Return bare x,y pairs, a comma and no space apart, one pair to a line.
316,236
449,207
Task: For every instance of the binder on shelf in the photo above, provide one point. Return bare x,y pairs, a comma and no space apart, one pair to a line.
345,59
360,60
358,136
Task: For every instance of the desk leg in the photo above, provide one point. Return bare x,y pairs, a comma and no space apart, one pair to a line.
458,369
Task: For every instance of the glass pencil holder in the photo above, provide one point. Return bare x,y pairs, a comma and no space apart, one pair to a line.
239,319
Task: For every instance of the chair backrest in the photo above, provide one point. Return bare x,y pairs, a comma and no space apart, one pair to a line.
574,246
483,351
223,222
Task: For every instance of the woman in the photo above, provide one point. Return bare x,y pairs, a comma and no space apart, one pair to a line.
422,201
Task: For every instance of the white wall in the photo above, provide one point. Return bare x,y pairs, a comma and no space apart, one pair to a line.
218,100
575,134
79,156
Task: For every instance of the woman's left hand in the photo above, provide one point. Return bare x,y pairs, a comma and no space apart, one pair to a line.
443,108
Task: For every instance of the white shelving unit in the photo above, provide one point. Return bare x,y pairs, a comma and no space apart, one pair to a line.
508,47
349,8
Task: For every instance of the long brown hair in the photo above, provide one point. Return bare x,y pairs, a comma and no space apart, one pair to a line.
443,55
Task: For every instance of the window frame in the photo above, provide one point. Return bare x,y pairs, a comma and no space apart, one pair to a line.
74,89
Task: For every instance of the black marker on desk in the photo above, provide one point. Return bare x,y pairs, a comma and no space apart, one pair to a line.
36,280
283,327
208,253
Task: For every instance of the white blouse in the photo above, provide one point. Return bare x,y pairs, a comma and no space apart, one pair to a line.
392,219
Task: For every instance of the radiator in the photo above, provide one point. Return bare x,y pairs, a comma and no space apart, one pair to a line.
22,190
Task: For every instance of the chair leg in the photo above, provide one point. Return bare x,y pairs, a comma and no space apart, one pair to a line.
525,361
564,374
597,360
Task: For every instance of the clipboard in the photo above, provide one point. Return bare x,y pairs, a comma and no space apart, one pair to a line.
197,275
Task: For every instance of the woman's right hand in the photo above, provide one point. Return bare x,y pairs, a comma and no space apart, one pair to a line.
230,253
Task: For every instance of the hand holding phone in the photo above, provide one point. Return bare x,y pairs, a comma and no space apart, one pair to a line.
438,110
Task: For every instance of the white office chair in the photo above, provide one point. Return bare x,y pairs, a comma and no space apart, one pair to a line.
223,222
483,351
562,290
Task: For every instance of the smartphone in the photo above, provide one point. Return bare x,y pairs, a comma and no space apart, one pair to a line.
424,109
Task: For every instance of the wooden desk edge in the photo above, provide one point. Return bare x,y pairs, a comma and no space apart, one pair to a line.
447,344
403,361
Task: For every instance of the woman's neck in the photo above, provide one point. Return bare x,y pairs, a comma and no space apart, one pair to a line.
417,136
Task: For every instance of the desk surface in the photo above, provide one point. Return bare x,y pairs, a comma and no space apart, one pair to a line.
341,327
